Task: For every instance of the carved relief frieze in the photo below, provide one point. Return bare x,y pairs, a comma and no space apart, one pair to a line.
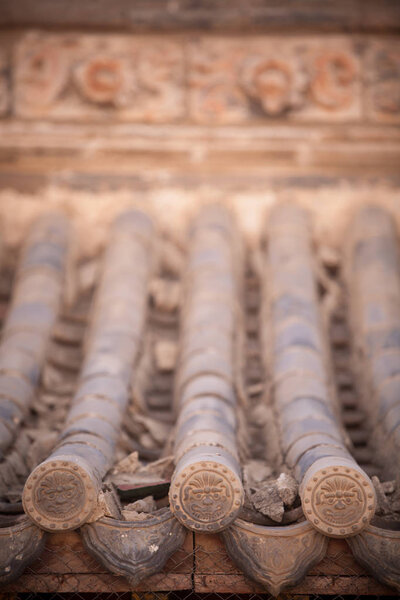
94,76
203,79
233,81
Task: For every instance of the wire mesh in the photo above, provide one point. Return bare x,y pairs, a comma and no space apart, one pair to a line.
176,595
200,570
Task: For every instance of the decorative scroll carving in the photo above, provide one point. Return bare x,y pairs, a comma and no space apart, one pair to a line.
277,85
83,76
383,72
134,549
217,80
224,80
276,557
105,80
232,81
332,86
20,545
41,72
378,551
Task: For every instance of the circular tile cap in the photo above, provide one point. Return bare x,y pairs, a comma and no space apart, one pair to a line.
59,495
206,496
338,499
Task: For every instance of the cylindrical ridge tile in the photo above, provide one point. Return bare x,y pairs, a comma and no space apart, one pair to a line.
206,495
337,497
206,491
35,302
373,282
62,492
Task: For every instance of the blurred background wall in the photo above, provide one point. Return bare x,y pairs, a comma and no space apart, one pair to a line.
169,104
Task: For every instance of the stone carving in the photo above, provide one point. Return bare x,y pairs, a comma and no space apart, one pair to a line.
277,85
230,81
338,500
378,551
276,557
83,76
332,86
151,79
58,495
221,80
41,73
20,545
383,72
132,549
105,80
